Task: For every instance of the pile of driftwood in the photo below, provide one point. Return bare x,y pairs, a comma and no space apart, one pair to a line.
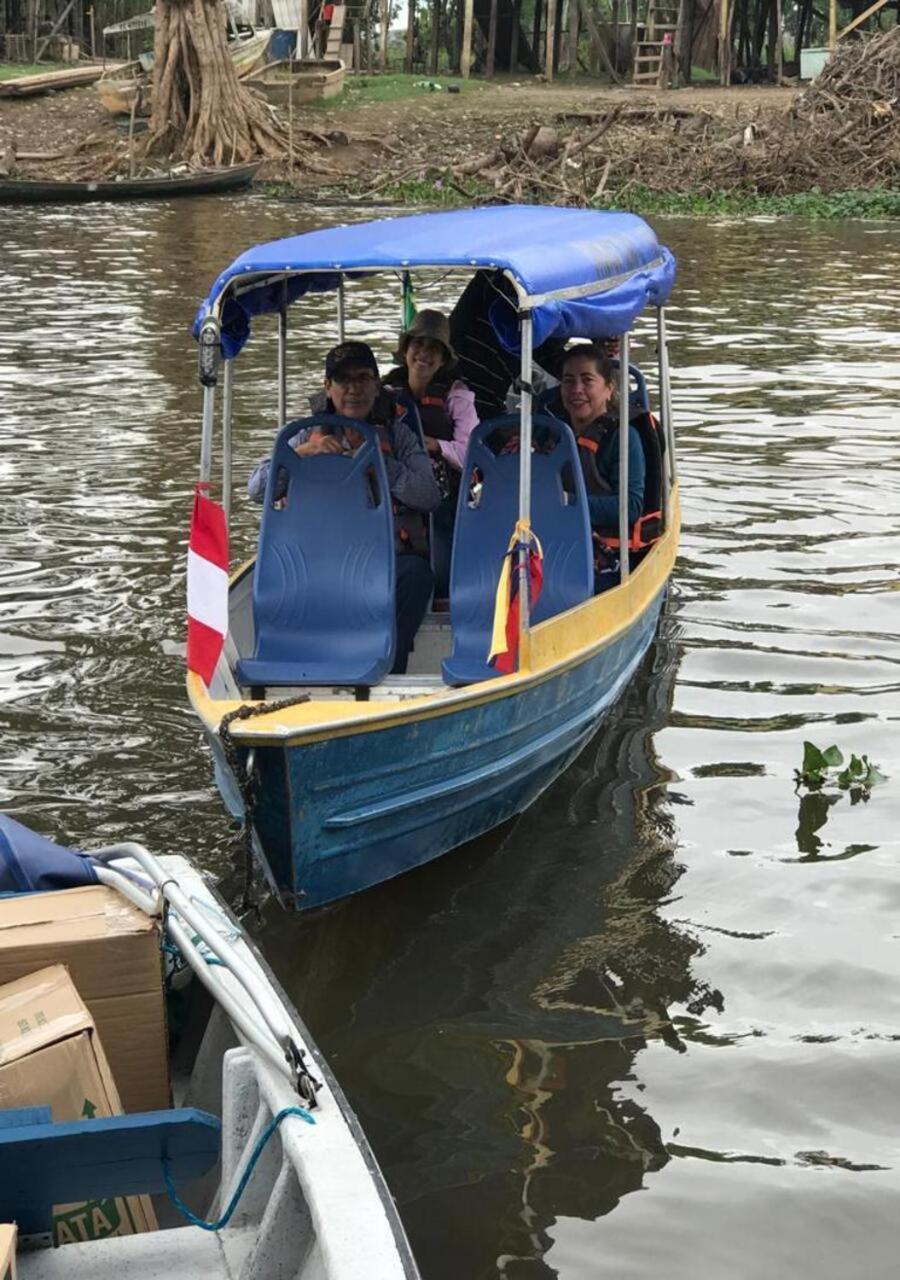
842,134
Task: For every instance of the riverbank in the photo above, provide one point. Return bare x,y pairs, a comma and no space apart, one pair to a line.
827,150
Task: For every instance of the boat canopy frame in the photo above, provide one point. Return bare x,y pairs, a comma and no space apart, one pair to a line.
653,272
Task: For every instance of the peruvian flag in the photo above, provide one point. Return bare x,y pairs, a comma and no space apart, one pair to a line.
207,585
504,654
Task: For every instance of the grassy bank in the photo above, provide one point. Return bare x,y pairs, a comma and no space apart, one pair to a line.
364,91
13,70
443,194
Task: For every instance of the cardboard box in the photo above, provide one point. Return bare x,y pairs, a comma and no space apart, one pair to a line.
7,1251
51,1055
111,949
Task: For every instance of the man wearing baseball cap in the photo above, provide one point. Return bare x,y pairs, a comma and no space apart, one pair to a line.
353,390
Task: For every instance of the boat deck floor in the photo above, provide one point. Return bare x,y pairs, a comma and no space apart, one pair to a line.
183,1253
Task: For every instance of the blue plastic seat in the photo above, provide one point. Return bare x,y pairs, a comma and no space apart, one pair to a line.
324,581
559,518
43,1164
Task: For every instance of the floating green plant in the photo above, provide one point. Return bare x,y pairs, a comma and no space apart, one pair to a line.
858,775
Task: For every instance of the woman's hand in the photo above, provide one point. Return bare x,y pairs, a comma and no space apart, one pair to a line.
433,445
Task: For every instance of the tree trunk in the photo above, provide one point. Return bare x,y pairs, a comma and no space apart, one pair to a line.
200,110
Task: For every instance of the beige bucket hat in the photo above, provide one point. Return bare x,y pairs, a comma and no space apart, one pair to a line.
428,324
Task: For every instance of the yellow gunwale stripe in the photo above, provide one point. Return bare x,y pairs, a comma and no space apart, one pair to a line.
296,724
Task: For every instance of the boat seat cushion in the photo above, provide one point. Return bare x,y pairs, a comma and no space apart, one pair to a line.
324,580
43,1164
559,518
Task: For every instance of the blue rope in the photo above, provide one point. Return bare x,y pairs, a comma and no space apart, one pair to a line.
245,1176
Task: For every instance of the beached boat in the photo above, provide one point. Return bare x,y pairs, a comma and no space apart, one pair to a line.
73,77
261,1135
198,182
299,82
119,94
344,774
117,90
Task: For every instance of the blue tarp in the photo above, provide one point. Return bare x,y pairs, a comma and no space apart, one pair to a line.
29,862
545,250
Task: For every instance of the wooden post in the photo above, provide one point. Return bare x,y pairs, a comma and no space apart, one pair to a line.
514,40
492,41
632,50
385,29
615,35
573,37
435,35
410,34
551,40
536,31
779,40
724,60
465,56
832,24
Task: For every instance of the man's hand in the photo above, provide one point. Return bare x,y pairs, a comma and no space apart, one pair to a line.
432,445
318,443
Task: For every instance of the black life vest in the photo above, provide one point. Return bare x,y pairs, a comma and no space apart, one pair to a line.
432,406
649,527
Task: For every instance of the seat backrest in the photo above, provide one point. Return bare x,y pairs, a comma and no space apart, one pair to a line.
324,581
559,518
43,1164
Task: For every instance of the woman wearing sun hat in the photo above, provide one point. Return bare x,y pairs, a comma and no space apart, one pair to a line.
447,412
446,405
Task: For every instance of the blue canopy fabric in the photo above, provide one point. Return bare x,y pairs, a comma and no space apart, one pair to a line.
546,252
30,863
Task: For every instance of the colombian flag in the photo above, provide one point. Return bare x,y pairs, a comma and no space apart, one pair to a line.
504,652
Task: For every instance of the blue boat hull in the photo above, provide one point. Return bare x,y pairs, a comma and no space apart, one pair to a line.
336,816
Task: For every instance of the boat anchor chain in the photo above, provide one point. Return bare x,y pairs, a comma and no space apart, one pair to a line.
243,777
305,1082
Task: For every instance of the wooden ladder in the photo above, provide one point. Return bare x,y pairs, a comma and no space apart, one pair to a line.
662,20
335,32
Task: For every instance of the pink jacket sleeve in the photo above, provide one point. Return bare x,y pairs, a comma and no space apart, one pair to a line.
461,408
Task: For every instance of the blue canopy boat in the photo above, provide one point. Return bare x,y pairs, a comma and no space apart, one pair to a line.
346,775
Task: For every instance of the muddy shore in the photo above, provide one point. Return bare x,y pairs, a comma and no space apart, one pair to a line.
597,145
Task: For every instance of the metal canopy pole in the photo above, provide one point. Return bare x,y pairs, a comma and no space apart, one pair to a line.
209,411
340,310
525,482
665,395
624,426
282,367
227,404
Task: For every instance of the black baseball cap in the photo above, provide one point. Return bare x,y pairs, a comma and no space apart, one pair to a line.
359,354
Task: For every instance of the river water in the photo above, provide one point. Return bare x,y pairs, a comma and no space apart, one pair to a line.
652,1028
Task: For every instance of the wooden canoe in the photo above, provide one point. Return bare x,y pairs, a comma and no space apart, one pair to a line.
304,81
201,182
68,78
117,96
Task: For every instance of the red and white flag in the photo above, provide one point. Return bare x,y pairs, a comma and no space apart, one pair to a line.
207,585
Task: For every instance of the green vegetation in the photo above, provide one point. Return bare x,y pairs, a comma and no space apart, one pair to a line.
360,91
858,776
440,191
880,203
12,70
